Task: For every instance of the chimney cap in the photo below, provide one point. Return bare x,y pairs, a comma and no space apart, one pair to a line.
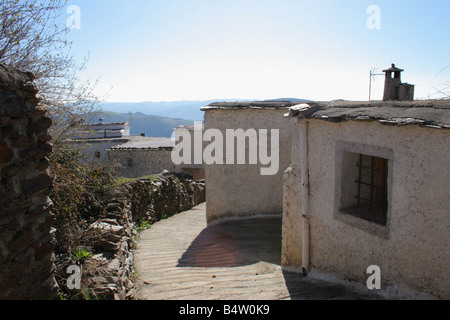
393,68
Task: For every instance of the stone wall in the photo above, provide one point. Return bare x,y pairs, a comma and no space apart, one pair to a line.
109,274
26,249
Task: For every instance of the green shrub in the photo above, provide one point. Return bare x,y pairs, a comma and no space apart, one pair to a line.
82,189
145,225
81,255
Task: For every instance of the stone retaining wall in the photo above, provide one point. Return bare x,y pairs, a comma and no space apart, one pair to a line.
110,271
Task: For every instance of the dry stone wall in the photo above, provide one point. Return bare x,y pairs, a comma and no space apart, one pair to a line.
26,242
27,258
111,269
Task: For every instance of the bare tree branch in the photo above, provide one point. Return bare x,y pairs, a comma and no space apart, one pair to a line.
31,39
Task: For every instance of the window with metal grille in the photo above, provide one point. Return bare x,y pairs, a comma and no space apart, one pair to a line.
372,190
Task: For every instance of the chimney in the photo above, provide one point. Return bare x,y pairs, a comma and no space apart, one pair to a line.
394,89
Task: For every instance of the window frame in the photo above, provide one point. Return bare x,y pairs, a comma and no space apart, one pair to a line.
346,173
372,196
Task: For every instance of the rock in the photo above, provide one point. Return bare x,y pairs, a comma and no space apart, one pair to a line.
42,181
131,294
114,265
106,245
107,227
109,221
6,153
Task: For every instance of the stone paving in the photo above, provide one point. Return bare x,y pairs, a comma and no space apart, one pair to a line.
182,259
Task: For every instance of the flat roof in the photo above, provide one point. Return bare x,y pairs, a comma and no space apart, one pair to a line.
146,143
105,124
426,113
274,105
190,128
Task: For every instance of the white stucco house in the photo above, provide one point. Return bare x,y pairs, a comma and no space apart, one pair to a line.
240,190
361,184
369,184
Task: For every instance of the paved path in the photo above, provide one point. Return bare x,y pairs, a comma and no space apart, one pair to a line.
181,259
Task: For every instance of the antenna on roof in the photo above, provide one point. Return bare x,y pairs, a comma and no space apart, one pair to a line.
131,119
373,77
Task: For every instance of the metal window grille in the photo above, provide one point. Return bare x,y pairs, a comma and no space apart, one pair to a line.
372,186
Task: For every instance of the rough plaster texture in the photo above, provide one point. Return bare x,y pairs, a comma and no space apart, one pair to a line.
241,190
136,163
412,251
292,224
190,167
90,147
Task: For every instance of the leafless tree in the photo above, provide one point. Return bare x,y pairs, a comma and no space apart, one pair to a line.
32,39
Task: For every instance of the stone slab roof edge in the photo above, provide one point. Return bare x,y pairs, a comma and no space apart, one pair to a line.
146,143
143,148
426,113
258,105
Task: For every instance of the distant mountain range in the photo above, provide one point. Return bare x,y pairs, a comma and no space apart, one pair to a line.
186,110
152,126
158,119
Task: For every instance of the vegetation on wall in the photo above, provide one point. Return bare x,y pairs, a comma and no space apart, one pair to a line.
82,189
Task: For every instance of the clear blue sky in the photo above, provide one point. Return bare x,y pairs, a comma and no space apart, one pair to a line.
167,50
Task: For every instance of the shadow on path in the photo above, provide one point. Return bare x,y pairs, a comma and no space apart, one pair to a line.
248,242
236,243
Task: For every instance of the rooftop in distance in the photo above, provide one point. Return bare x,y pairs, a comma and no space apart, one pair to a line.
146,143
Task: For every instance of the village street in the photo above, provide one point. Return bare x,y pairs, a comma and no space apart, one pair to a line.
181,259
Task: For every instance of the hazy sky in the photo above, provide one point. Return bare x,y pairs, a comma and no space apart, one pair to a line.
166,50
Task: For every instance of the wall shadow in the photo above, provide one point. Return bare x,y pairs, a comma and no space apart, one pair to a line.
236,243
302,287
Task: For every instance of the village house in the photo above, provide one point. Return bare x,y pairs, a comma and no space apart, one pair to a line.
365,184
143,156
239,190
192,167
93,140
369,185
